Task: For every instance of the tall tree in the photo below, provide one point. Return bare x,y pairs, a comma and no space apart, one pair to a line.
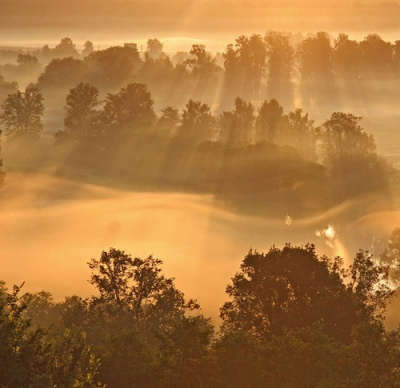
291,288
315,67
245,64
342,135
271,123
237,126
203,70
88,48
22,114
61,75
155,49
197,122
169,120
130,108
391,256
29,357
377,57
138,287
112,68
346,57
81,104
348,152
280,65
66,48
303,134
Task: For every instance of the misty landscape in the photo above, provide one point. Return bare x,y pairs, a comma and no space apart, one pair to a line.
199,194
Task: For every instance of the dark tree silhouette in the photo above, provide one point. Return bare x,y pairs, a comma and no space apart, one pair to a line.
137,286
271,123
66,48
291,288
88,48
237,126
280,65
197,122
245,64
130,108
22,114
391,256
81,113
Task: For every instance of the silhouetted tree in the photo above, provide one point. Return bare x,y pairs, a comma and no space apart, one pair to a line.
369,283
155,49
391,256
88,48
271,123
113,67
315,67
169,120
66,48
237,126
303,134
138,287
346,58
341,135
81,112
197,122
130,108
28,357
287,289
377,57
6,88
22,114
61,74
203,70
245,64
280,65
349,155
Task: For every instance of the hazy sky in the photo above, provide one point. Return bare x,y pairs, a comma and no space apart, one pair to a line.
216,23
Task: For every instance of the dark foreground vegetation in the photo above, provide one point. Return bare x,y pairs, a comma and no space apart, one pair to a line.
293,319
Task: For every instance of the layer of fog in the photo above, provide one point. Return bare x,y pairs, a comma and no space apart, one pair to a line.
51,227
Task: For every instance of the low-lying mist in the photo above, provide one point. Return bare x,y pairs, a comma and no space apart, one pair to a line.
51,228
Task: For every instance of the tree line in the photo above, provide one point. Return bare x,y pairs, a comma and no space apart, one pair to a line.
252,157
292,319
255,67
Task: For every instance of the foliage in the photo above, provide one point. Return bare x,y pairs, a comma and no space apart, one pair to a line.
391,256
245,64
66,48
289,289
61,74
88,48
348,152
81,113
270,121
169,120
271,179
236,126
197,122
111,68
22,114
368,282
28,357
137,286
130,108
